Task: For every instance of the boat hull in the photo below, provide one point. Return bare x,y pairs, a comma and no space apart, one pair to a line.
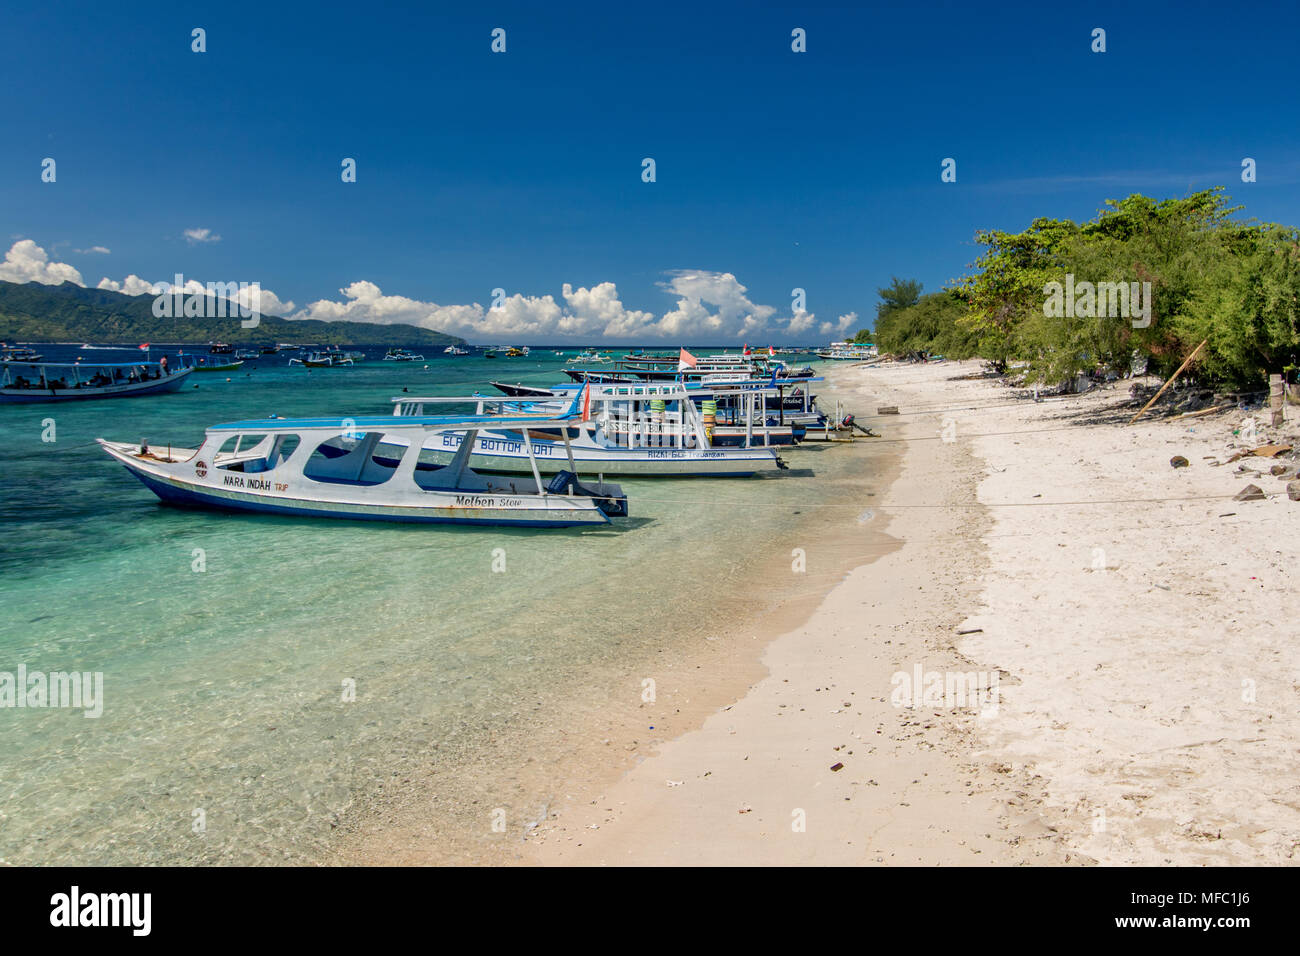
510,456
168,383
228,491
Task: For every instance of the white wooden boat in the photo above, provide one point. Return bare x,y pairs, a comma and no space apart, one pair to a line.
22,382
643,429
324,360
590,358
745,412
203,364
847,352
332,467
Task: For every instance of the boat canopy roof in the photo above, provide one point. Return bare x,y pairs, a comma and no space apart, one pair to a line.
392,423
625,388
80,364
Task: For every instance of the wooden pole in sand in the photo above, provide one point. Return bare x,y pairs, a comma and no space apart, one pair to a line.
1181,368
1275,399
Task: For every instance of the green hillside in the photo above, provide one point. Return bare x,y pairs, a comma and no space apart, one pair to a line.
32,312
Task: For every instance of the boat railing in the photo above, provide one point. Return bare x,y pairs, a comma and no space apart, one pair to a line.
514,407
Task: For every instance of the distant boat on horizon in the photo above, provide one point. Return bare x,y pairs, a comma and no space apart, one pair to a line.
202,366
322,360
19,353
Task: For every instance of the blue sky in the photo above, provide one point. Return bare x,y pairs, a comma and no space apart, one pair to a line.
522,170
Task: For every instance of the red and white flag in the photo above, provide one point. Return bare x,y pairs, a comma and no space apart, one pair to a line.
746,350
144,347
685,360
771,350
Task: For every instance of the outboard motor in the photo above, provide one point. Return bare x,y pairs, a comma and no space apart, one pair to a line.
608,497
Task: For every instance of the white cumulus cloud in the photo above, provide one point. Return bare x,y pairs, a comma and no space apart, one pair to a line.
365,302
710,306
131,285
599,310
27,262
735,314
841,326
801,322
201,235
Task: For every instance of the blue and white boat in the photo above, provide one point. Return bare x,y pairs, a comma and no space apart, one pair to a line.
625,429
346,468
74,381
744,411
848,352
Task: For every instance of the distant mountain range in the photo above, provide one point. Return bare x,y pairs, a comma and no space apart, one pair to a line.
33,312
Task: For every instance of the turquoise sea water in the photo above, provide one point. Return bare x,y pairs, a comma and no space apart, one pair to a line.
223,687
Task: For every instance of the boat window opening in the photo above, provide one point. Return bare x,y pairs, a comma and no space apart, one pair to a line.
349,460
241,451
281,449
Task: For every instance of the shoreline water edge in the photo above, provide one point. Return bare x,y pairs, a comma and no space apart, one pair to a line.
965,641
999,527
731,762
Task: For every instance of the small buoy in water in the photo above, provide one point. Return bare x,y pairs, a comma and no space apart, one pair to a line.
426,366
227,380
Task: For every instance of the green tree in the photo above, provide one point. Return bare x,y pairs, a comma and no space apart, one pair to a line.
899,294
1249,311
932,326
1007,291
1176,245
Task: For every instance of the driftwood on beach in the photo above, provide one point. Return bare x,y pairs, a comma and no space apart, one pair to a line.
1181,369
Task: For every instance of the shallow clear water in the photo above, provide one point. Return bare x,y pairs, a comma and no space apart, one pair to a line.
223,687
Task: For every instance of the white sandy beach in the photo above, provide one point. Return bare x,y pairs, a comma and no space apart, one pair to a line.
1136,617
